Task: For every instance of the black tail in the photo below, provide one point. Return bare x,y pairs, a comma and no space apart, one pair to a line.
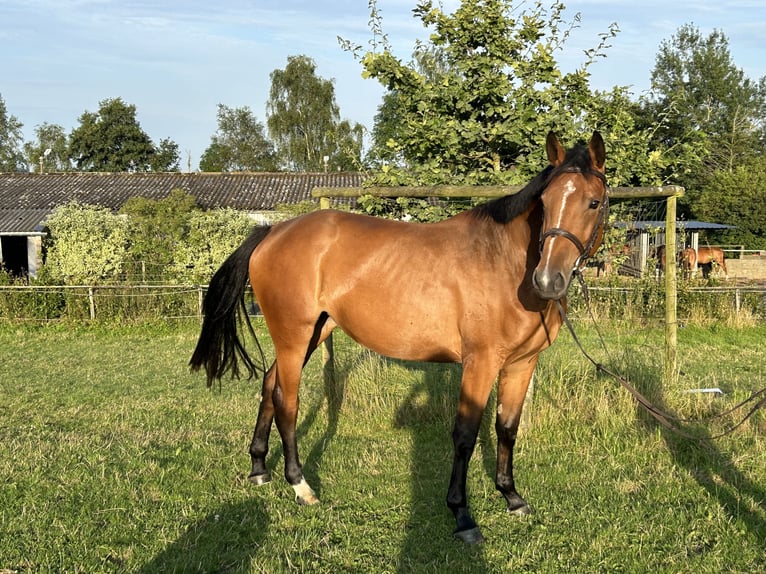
219,348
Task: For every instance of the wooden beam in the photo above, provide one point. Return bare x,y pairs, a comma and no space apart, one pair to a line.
479,191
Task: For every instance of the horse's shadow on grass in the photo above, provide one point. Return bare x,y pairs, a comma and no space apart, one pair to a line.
707,463
229,539
430,404
226,540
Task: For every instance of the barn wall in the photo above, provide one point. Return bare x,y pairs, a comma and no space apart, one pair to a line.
750,268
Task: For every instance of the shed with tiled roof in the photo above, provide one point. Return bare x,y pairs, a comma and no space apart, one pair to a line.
26,199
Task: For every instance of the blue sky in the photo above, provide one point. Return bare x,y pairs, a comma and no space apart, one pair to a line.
177,60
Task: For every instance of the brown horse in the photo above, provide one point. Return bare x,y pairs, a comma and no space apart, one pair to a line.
707,256
479,288
687,259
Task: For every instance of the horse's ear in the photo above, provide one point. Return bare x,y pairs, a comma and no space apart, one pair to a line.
554,150
597,151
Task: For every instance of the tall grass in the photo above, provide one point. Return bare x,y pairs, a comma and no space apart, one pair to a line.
115,458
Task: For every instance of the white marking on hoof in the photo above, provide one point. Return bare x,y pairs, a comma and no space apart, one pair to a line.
260,479
304,494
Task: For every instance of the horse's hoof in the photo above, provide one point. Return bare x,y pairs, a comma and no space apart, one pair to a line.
517,506
260,479
304,495
470,536
310,500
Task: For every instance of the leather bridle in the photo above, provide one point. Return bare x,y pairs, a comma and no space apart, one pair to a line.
584,250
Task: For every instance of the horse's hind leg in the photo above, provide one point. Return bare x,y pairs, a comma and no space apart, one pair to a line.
511,390
285,399
259,447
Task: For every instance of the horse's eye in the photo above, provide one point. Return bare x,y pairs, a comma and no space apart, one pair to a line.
594,203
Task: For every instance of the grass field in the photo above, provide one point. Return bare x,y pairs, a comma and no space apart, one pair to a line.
114,458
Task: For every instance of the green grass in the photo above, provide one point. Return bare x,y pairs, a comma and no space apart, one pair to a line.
114,458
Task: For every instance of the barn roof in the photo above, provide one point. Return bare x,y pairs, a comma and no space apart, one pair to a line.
27,198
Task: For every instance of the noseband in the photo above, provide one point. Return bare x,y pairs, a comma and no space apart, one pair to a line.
603,210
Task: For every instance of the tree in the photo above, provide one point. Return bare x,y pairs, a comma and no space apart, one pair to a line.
51,150
156,229
166,156
112,140
304,120
87,244
239,144
737,197
708,114
11,138
349,140
478,100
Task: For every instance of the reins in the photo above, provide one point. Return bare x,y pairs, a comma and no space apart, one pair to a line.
661,416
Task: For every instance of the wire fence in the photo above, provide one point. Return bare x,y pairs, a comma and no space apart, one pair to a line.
130,303
102,302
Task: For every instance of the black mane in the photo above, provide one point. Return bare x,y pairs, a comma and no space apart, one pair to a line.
505,209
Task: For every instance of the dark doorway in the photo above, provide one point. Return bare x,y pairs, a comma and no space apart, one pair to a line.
14,250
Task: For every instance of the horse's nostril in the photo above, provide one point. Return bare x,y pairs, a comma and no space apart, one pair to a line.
550,285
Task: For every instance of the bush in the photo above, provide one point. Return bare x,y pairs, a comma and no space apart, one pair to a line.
87,244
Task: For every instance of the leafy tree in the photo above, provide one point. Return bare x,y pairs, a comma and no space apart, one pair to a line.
11,138
478,100
349,140
51,150
212,237
239,144
707,113
156,229
112,140
304,120
166,157
430,62
737,197
87,244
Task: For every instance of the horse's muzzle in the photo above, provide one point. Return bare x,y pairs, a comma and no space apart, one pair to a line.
550,284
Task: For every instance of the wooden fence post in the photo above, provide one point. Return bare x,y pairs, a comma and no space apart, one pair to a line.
671,296
91,303
328,354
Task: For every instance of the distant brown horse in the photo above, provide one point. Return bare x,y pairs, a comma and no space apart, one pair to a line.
707,256
659,254
479,289
687,260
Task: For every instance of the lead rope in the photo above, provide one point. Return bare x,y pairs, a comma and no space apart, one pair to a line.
662,417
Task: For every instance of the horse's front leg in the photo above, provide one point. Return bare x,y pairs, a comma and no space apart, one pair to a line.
512,388
259,447
477,381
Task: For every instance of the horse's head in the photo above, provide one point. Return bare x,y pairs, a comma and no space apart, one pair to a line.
575,204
